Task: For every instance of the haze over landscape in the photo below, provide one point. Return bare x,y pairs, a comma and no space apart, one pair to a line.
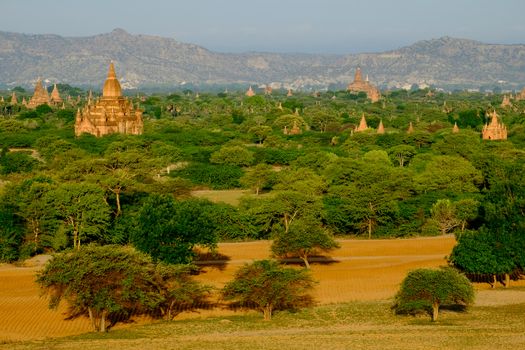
262,175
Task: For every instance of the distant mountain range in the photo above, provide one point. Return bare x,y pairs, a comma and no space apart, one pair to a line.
150,61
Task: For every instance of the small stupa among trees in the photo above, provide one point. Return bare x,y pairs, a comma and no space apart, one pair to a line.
110,114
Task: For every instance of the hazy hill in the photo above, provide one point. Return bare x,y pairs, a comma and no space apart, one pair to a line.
143,60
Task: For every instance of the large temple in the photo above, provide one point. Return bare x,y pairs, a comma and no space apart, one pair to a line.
360,85
494,130
112,113
40,96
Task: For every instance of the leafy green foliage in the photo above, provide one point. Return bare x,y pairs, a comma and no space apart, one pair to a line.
266,286
304,238
429,289
216,176
168,229
112,283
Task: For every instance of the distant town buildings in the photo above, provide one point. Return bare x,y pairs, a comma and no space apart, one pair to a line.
112,113
494,130
360,85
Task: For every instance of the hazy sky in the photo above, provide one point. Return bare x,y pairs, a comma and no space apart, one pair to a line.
320,26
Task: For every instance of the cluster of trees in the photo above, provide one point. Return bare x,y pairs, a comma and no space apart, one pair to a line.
112,283
64,191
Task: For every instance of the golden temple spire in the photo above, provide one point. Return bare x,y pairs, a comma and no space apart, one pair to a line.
111,86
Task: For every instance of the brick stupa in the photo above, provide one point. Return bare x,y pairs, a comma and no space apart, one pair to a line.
362,124
250,92
40,96
495,130
360,85
55,96
112,113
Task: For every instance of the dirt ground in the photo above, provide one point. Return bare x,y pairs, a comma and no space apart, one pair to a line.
360,270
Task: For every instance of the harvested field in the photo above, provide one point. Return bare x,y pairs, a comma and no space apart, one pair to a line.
360,270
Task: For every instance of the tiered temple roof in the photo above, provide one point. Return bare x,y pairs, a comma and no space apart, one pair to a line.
494,130
360,85
112,113
40,96
55,96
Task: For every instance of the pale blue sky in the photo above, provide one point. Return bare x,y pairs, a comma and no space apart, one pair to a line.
317,26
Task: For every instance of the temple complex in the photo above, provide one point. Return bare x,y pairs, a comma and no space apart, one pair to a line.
494,130
55,96
360,85
250,92
362,124
40,96
112,113
381,127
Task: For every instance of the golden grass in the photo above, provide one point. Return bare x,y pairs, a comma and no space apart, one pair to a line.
363,271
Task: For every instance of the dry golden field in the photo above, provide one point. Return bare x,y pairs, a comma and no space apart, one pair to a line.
360,270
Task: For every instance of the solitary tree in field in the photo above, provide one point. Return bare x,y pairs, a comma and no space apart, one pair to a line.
304,238
266,286
428,289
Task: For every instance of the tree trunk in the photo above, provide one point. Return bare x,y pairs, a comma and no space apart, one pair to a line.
103,321
267,312
369,228
494,281
304,257
257,190
92,319
117,197
435,311
507,280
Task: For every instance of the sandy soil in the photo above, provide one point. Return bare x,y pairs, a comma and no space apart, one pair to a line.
359,270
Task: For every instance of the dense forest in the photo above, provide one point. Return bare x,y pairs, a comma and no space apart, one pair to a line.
58,191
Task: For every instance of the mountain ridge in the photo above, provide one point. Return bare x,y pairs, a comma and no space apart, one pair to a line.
148,60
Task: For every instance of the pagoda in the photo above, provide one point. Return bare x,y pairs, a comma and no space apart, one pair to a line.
14,100
506,101
40,96
55,96
410,128
455,129
360,85
520,95
362,124
250,92
110,114
381,127
495,130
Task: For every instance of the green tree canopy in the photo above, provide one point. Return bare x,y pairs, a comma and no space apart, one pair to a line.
429,289
266,286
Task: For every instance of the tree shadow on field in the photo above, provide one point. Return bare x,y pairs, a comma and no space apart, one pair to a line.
211,259
313,260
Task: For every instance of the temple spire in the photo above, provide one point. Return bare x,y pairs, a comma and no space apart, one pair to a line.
111,86
381,128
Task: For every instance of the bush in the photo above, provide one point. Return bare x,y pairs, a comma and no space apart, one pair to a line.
428,289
